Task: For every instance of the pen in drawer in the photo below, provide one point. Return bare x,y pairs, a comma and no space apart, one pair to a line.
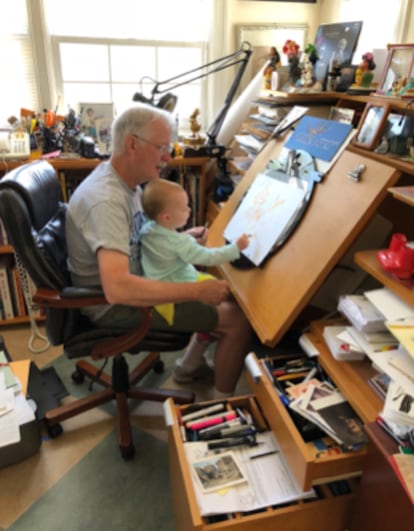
231,431
203,412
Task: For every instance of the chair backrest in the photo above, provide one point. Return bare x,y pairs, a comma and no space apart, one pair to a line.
33,214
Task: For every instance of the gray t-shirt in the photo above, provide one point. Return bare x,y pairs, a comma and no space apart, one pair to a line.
103,212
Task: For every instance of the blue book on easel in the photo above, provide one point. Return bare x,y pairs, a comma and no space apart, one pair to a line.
319,137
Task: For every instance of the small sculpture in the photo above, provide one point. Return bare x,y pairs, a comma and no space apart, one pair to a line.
272,65
363,74
291,49
195,139
307,78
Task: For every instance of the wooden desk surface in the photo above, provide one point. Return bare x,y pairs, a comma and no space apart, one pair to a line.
272,297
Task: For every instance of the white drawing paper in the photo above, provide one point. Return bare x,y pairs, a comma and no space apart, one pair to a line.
263,214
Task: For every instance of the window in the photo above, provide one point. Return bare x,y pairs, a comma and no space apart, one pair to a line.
16,63
96,51
110,58
377,31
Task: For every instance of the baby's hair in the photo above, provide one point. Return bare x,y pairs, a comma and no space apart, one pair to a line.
156,195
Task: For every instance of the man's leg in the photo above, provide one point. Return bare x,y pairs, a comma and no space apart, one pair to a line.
232,347
234,335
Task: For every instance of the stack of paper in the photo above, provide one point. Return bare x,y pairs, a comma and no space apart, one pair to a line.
14,408
326,407
389,305
374,342
363,315
342,345
403,331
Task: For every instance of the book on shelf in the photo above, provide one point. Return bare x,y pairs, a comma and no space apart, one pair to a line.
258,130
398,405
5,292
18,296
380,383
264,119
341,344
249,143
3,234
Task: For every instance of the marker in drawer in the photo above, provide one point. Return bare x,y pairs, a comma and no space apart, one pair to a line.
204,422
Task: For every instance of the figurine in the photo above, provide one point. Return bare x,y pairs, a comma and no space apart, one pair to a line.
363,74
272,65
307,78
291,49
383,146
195,139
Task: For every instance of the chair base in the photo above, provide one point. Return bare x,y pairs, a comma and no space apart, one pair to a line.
119,387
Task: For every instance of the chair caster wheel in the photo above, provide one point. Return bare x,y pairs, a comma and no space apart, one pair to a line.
54,430
159,367
78,376
127,452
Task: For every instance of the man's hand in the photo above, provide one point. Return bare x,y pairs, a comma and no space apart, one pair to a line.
199,233
212,291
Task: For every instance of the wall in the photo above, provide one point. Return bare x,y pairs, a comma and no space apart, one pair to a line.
251,12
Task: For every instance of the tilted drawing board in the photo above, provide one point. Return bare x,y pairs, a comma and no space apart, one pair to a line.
273,296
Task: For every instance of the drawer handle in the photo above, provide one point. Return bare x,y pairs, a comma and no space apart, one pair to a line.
253,367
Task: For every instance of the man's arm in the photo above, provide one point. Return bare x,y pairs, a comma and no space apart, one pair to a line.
122,287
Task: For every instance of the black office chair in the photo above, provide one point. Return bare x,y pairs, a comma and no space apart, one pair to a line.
33,214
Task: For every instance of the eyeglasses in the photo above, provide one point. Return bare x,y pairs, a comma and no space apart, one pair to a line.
163,148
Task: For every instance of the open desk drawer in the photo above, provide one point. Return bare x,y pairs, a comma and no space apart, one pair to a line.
308,469
325,513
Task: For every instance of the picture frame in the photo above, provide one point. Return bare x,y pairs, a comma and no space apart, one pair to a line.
371,125
398,64
96,121
335,43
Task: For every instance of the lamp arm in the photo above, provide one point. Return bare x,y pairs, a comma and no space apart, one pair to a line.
245,49
215,127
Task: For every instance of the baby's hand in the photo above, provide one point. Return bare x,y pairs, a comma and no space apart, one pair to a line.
243,242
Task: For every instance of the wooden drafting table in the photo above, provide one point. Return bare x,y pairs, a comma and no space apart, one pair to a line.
272,297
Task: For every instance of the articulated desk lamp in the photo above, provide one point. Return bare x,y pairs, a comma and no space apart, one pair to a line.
211,148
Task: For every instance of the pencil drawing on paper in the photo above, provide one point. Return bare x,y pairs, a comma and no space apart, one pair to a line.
264,213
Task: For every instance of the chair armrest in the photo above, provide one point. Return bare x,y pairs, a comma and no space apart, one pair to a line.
76,298
69,298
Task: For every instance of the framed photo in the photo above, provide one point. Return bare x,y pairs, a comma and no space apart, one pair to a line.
335,44
398,65
96,120
371,125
